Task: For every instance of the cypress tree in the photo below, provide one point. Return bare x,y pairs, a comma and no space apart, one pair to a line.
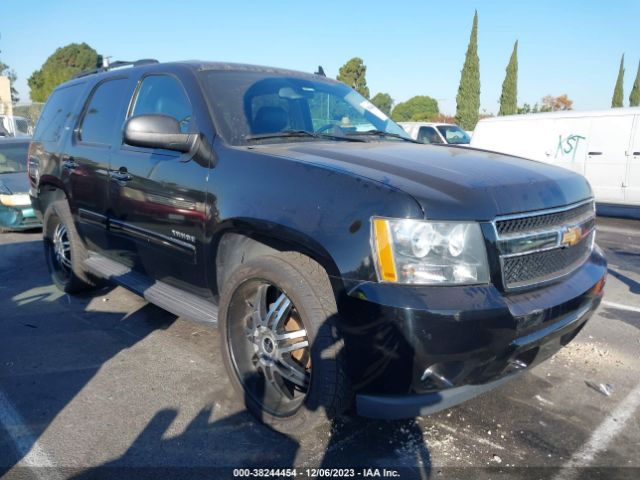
634,98
617,100
468,98
509,97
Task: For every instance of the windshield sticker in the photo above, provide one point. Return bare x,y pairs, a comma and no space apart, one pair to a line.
568,146
370,107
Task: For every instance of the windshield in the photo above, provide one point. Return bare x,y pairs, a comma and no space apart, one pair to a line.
454,134
13,157
251,106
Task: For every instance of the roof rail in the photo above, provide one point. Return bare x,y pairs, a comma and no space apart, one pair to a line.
116,64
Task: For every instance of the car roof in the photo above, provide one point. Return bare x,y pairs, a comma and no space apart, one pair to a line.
200,66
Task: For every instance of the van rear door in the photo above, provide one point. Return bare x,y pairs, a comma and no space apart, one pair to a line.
606,163
632,183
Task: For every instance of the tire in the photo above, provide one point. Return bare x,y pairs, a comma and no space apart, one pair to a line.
325,392
64,251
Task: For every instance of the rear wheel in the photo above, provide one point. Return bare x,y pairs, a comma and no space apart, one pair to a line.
281,343
64,251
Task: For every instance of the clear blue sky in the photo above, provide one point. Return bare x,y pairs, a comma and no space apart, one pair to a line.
409,47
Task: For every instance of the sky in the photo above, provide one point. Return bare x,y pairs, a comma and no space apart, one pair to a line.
409,47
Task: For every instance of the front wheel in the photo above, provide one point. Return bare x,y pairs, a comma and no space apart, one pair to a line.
281,342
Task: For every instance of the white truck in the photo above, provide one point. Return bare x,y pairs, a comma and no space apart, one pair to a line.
13,126
431,132
604,146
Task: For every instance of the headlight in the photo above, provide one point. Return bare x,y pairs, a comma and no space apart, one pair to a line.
429,253
20,200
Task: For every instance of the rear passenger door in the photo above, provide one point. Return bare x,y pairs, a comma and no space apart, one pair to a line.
158,196
85,161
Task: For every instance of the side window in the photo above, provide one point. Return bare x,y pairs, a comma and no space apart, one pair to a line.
428,135
164,95
101,116
59,108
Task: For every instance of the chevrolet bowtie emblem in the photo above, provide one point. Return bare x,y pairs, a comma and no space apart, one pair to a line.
571,236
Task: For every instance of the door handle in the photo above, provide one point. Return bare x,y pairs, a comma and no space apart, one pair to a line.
594,153
121,175
636,154
69,163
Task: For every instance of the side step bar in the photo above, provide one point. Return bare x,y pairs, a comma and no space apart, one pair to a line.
165,296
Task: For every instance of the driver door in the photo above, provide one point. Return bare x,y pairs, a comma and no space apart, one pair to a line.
158,196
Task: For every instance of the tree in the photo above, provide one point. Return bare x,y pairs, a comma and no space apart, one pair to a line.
634,98
418,108
553,104
353,74
384,102
617,100
468,98
60,67
509,97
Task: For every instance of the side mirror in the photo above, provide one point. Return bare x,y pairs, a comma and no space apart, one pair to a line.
158,131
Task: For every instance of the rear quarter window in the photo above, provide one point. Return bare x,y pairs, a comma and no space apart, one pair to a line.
59,111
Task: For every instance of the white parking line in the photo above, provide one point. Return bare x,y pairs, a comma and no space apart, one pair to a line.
620,306
602,436
26,445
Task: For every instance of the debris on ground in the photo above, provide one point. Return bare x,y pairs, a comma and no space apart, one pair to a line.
603,388
496,459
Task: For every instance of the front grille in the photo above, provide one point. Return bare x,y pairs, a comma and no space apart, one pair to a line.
543,222
536,263
539,267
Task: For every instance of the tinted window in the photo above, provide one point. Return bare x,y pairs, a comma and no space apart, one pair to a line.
164,95
13,157
60,107
428,135
101,116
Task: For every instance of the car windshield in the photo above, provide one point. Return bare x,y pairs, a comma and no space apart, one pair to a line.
13,157
454,134
260,107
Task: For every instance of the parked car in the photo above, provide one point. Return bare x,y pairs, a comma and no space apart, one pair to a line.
342,264
16,212
13,126
427,132
604,146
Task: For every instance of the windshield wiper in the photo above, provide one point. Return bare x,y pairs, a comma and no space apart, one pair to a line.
282,134
301,133
382,133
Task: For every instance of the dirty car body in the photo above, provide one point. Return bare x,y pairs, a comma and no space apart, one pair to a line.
451,270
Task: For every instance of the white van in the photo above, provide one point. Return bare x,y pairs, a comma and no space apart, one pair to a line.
604,146
430,132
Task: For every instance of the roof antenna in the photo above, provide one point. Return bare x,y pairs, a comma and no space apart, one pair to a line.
320,71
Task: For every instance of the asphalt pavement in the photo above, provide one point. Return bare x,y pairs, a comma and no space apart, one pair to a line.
104,385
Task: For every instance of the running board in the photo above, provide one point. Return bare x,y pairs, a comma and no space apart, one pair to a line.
172,299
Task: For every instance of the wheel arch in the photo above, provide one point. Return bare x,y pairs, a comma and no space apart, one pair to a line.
238,242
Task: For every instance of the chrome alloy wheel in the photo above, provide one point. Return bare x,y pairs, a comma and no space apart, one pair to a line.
62,248
270,347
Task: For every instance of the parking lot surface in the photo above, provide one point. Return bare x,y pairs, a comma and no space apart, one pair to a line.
105,385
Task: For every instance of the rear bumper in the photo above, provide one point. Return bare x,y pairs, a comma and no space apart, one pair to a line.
415,351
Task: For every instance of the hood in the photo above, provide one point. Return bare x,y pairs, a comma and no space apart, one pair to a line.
16,182
449,183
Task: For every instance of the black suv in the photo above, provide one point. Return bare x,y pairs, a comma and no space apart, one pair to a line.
347,266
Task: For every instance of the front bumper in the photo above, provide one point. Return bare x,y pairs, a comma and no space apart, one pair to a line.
417,350
21,217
